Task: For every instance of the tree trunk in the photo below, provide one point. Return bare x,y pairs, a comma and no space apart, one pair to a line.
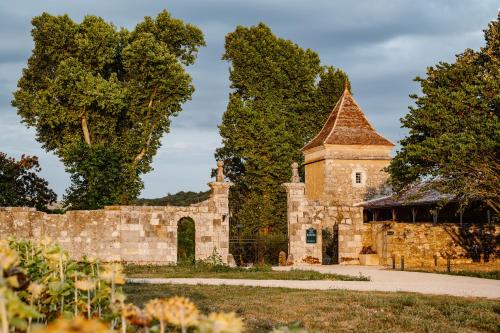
85,129
141,154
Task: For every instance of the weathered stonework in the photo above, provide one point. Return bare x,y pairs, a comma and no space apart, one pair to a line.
330,173
344,165
135,234
303,214
420,242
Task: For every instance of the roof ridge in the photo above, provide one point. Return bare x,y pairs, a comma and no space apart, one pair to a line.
341,99
368,120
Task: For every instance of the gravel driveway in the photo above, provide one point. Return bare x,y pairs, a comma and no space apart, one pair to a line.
381,280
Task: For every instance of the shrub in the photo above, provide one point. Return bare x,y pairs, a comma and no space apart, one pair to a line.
367,250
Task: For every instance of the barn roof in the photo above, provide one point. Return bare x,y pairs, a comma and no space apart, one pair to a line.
347,125
412,197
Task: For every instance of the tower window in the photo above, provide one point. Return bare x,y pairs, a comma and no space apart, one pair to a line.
358,177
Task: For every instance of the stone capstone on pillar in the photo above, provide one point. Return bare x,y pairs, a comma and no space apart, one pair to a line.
295,173
220,172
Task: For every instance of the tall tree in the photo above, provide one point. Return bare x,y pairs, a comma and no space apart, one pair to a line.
281,96
101,98
20,184
454,130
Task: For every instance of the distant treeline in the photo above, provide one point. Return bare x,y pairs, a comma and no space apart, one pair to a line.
178,199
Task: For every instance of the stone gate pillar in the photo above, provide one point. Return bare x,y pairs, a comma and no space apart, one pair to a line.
219,207
299,221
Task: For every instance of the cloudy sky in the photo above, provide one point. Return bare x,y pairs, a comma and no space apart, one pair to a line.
382,45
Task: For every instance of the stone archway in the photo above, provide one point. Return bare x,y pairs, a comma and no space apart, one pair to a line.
186,240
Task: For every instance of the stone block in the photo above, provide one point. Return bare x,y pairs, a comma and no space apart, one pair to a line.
130,236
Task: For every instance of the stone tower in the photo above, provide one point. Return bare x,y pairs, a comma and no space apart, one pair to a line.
344,161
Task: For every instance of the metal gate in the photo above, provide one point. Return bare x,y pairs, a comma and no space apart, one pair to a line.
330,245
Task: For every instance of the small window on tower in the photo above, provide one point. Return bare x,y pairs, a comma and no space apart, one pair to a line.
358,177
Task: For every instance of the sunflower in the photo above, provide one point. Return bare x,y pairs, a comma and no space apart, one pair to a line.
221,323
75,325
85,284
113,273
135,315
35,289
177,311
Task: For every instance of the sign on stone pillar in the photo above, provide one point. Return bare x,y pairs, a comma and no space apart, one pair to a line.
311,236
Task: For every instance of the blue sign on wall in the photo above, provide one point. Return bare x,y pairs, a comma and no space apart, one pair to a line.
311,236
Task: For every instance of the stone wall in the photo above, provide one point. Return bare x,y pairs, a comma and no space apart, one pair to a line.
330,173
303,214
135,234
420,242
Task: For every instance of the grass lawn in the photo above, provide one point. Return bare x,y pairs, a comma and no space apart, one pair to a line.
224,272
335,310
494,275
490,270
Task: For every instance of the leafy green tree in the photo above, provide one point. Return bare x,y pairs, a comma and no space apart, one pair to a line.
280,99
20,184
101,98
177,199
186,235
454,130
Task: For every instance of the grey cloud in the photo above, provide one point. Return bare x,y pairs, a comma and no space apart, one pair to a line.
382,45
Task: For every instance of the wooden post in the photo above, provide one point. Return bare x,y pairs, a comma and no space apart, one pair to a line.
435,213
414,214
393,261
448,264
402,263
394,214
435,261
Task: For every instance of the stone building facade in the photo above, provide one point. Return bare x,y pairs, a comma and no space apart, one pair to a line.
344,163
343,172
343,166
133,234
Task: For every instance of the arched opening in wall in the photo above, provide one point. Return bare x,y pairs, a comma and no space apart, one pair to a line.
330,245
186,241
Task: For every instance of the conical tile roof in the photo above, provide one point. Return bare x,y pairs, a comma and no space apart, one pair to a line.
347,125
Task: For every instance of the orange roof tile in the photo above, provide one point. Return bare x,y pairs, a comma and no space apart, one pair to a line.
347,125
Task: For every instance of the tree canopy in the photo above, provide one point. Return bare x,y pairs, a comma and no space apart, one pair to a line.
177,199
20,185
101,98
454,128
281,96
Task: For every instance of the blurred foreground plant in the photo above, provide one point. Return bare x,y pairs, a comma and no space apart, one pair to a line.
43,291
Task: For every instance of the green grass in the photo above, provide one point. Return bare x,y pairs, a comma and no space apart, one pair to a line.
334,310
224,272
493,275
